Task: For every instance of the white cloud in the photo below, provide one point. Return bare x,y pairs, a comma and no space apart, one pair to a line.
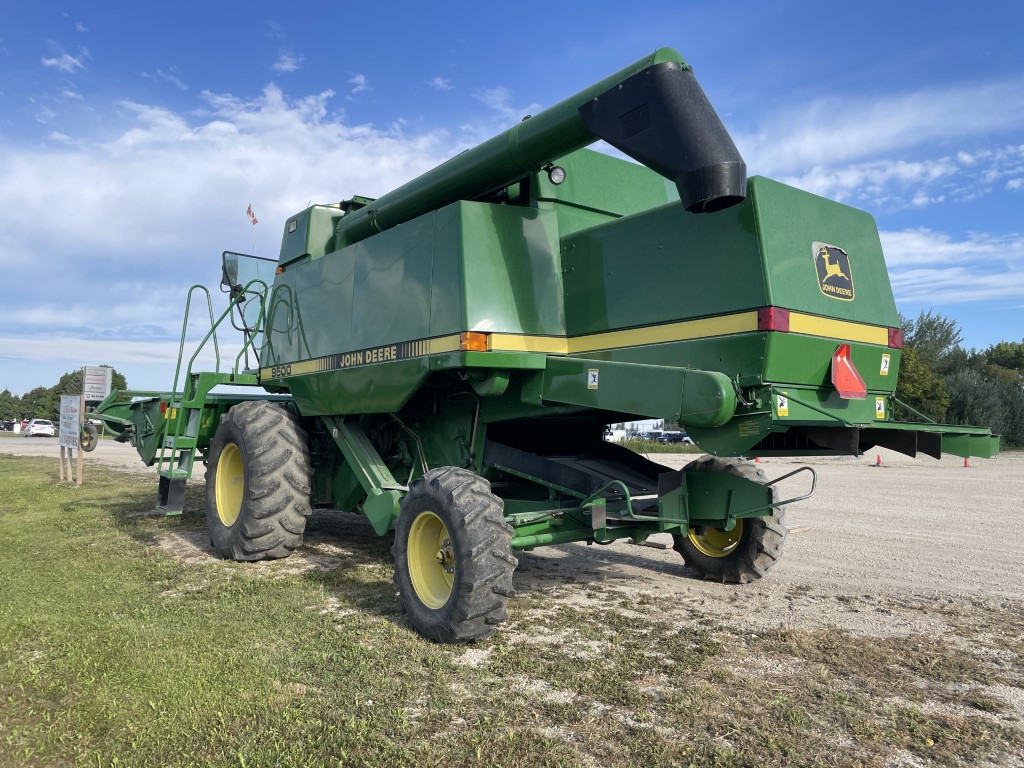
81,27
499,99
359,84
65,62
929,266
135,230
67,93
1015,184
832,131
874,180
897,184
440,83
170,76
287,62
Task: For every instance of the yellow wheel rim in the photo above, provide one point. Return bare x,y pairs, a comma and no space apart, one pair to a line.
431,560
714,542
230,484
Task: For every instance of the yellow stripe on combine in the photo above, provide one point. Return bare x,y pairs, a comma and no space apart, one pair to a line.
744,322
810,325
443,344
709,327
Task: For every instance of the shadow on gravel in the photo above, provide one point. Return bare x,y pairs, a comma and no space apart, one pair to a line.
580,564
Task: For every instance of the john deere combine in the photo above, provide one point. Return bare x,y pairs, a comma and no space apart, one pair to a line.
445,358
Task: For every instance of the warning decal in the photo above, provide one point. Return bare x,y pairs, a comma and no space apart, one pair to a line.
879,407
782,405
592,378
885,365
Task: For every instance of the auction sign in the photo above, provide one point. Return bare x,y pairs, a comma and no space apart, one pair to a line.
70,420
96,382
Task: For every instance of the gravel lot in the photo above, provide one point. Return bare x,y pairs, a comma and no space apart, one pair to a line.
871,551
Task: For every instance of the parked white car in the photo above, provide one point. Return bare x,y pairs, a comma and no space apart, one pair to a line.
40,428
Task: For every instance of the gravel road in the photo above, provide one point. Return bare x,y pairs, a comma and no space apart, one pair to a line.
871,551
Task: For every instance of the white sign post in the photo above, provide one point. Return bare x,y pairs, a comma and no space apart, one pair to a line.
70,428
96,382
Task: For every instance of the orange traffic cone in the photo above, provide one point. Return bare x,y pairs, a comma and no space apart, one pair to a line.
966,462
757,459
878,459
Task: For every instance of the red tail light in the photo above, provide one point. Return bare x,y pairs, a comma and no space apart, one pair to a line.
773,319
845,377
896,338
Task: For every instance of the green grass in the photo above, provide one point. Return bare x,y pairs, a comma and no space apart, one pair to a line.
651,446
119,647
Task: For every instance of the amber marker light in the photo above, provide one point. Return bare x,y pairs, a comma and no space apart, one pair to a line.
472,341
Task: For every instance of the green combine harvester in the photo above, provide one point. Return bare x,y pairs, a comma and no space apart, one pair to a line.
444,359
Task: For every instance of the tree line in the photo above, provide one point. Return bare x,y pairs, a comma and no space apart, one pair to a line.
44,402
948,384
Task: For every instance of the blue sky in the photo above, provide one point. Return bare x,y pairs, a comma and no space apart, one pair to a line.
134,135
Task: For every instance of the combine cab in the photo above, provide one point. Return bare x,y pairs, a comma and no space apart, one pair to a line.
445,359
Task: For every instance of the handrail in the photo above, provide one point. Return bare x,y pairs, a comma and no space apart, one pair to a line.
240,298
188,394
184,330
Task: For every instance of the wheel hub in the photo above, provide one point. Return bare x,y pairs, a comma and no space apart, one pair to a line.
446,557
431,559
714,542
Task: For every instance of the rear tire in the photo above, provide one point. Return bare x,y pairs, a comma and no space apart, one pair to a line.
257,483
747,552
453,556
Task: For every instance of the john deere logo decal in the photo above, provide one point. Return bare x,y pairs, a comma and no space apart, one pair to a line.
834,275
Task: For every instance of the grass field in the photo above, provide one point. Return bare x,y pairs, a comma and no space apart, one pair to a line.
119,648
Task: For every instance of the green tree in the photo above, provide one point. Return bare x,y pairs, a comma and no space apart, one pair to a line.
40,403
1006,354
10,406
920,387
1004,362
936,339
984,402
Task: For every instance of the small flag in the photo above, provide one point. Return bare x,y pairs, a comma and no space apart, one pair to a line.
251,215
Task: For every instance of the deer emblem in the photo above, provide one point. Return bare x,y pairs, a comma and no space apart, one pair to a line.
832,269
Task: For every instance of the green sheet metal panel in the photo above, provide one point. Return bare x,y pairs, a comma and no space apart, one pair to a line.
510,270
660,266
740,355
446,296
797,359
310,312
391,298
790,222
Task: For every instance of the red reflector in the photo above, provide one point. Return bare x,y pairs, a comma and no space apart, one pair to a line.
845,377
773,319
163,407
896,338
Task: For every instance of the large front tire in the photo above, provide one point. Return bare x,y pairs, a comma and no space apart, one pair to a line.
453,556
748,551
257,483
